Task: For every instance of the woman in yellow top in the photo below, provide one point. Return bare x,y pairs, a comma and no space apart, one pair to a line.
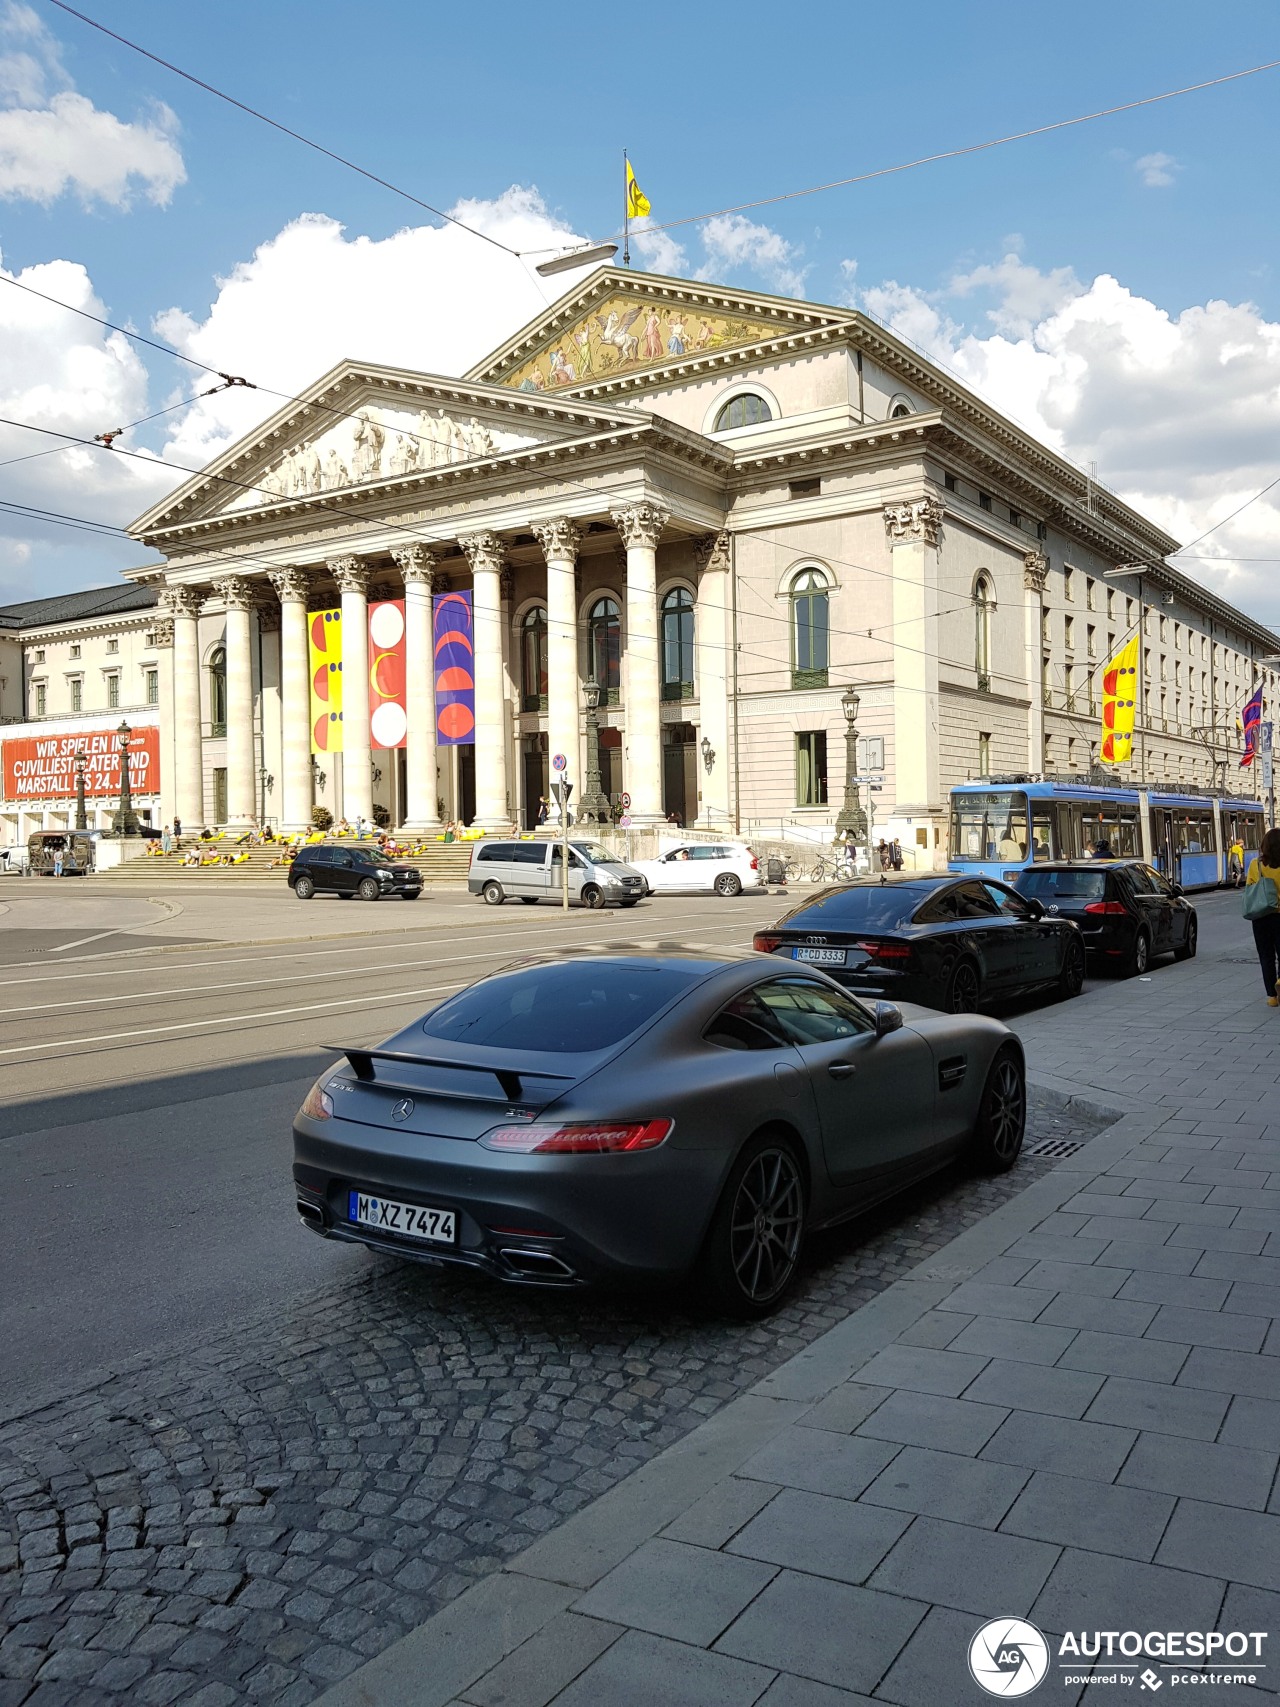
1266,930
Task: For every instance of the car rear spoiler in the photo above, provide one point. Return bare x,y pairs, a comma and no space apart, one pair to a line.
509,1080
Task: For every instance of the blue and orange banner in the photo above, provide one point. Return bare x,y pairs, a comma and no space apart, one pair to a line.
1250,724
1119,704
454,652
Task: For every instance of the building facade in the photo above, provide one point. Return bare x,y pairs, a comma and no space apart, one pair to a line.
724,508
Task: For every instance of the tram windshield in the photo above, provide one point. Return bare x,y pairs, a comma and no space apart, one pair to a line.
990,826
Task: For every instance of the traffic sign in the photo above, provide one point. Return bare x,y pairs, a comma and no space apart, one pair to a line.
558,762
626,802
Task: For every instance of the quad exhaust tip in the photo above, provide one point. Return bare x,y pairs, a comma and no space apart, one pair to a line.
535,1265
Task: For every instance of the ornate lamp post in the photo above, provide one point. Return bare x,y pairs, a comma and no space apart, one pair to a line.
852,822
593,807
81,759
128,824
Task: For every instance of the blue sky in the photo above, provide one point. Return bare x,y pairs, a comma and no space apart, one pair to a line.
990,261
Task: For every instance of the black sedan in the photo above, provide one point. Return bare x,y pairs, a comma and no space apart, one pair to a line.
944,941
647,1115
1126,911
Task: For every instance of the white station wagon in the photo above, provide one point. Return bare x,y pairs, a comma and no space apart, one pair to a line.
725,868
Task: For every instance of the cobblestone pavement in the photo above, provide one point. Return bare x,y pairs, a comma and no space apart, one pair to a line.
247,1521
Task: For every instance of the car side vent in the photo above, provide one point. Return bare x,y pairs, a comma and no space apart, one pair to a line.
951,1072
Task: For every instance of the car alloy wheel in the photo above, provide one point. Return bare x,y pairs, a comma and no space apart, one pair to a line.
592,897
492,893
1188,949
368,889
304,889
765,1225
963,988
728,884
1002,1116
1140,959
1073,968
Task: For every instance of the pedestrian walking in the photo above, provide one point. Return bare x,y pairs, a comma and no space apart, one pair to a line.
1262,909
543,809
895,854
1235,862
177,830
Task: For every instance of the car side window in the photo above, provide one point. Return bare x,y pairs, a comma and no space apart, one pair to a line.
809,1013
746,1023
343,858
937,910
1142,880
318,856
704,853
1011,905
975,901
528,853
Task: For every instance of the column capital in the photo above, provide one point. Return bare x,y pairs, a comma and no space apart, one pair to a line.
559,537
640,524
292,585
236,592
485,551
712,551
1035,571
416,563
182,600
920,520
350,573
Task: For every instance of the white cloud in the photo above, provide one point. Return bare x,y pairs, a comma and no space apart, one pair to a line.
1156,170
657,249
54,140
1181,412
733,242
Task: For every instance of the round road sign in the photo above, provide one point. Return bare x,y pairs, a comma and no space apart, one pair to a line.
558,762
626,801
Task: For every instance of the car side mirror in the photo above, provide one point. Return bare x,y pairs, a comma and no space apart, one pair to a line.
888,1018
1176,887
1034,907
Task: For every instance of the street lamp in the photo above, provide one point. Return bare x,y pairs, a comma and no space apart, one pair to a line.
81,758
128,825
593,808
708,755
852,821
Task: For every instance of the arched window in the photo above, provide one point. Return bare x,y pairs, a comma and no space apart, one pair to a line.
900,407
218,691
810,630
604,648
983,605
746,410
677,645
533,661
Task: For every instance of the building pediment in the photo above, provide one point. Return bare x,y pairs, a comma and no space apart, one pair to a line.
362,426
619,323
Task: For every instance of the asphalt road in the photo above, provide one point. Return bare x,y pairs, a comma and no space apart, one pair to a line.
146,1099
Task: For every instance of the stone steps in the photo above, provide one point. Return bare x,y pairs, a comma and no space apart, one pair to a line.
439,862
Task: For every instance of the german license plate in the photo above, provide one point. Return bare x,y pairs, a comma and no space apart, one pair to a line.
820,956
410,1220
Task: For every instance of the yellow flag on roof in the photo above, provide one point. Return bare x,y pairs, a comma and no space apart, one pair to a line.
637,201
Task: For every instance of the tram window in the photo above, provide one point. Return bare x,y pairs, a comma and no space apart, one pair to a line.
1041,830
989,826
1248,826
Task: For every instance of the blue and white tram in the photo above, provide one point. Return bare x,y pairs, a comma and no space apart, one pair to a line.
1000,825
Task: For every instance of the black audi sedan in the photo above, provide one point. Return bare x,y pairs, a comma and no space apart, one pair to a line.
367,872
1126,911
945,941
678,1115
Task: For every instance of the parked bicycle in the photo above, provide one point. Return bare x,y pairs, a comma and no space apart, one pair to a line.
837,867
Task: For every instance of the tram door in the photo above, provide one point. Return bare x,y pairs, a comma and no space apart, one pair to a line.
1068,842
1165,843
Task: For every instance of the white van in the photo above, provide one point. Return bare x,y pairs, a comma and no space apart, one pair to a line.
531,871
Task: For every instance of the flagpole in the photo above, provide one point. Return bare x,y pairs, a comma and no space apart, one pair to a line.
626,213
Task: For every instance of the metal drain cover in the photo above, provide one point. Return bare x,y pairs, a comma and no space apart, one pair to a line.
1055,1147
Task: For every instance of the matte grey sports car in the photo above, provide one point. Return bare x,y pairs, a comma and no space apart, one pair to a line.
662,1115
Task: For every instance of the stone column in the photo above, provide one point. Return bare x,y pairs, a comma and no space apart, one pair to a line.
417,565
236,593
186,789
914,532
711,646
292,587
485,555
352,577
1035,571
559,539
640,525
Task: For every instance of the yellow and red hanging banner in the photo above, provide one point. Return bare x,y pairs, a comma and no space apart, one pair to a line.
388,721
1119,704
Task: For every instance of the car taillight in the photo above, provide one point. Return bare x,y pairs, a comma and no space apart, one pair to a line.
886,951
755,863
1105,907
587,1138
764,942
318,1104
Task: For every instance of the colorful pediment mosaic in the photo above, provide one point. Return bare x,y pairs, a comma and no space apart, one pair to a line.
621,335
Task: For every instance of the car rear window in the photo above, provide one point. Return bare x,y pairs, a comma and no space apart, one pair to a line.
564,1009
1083,885
873,907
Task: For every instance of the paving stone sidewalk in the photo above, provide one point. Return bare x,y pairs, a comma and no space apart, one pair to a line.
1071,1415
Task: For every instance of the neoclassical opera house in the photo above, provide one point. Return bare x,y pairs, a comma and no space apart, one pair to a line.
723,509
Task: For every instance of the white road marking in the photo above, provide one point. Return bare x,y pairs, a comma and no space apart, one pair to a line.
119,931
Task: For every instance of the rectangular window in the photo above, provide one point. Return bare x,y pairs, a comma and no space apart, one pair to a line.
1071,632
1128,613
39,655
810,488
1111,602
984,753
42,700
1015,516
113,693
984,500
1068,584
1093,640
1164,628
113,645
151,679
1089,586
811,767
75,650
949,482
1045,636
77,695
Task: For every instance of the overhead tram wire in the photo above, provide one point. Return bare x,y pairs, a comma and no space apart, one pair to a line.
286,130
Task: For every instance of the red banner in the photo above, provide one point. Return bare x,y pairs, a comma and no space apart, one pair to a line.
43,767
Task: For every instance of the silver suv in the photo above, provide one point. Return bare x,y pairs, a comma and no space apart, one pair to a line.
532,871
